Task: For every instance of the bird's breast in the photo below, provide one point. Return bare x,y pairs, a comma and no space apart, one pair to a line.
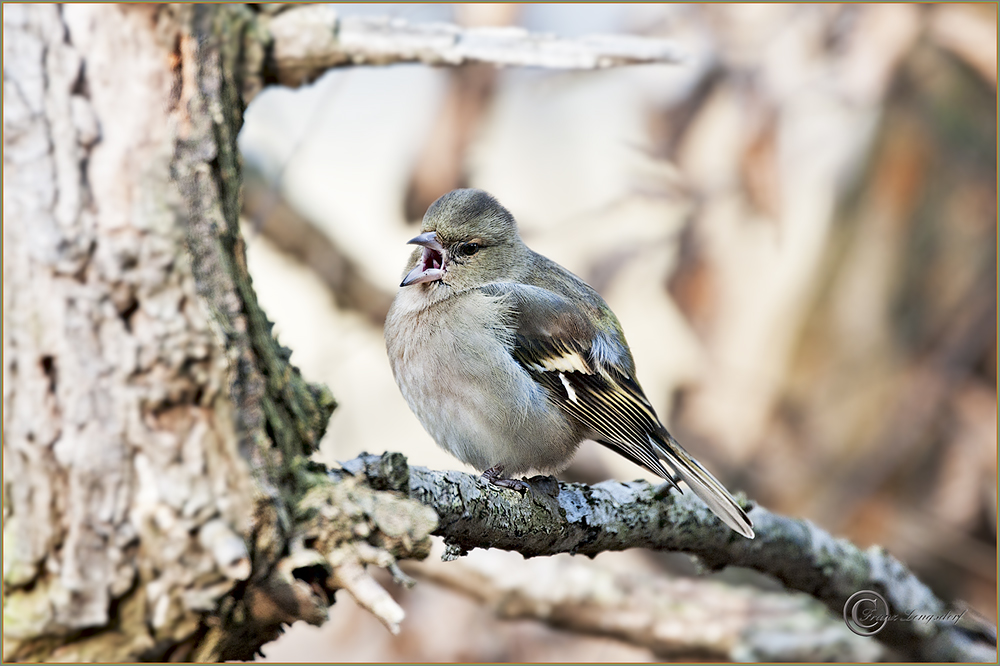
453,365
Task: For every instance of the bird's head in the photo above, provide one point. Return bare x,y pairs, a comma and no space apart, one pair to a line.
468,239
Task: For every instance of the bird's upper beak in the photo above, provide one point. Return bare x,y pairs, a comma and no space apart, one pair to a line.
431,266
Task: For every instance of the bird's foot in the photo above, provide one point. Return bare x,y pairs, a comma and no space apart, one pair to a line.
494,476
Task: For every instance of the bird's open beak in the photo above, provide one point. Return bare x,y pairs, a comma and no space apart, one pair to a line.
431,266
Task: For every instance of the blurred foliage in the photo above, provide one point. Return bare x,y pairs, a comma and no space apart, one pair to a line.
880,404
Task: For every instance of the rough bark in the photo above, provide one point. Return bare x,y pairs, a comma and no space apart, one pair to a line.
580,519
125,486
153,429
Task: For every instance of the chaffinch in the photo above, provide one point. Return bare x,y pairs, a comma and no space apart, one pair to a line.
510,361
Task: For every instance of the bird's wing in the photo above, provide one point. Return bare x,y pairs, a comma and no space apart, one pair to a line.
574,361
555,343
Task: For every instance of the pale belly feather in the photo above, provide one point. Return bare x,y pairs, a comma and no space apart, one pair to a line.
473,398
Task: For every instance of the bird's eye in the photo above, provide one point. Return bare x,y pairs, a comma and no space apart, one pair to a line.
469,249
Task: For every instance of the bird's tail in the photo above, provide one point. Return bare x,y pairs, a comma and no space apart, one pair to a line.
704,485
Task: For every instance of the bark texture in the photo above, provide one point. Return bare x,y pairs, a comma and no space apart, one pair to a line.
153,428
580,519
159,502
122,472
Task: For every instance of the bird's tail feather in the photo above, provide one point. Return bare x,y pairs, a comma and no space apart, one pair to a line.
704,485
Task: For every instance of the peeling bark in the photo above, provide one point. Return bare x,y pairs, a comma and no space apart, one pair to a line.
156,439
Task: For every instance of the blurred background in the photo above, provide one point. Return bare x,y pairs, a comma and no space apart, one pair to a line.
797,228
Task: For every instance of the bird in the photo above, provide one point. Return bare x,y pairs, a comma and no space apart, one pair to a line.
510,361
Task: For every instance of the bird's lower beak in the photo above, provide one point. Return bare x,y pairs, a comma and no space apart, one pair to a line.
431,266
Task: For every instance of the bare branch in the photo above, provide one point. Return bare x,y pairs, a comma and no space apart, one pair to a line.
309,40
296,235
676,618
575,518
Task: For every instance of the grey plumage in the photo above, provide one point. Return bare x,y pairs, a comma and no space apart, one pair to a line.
509,359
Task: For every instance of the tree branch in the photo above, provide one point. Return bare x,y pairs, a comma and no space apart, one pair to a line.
574,518
309,40
674,617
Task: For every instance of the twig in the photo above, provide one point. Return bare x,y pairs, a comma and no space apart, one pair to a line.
309,40
616,516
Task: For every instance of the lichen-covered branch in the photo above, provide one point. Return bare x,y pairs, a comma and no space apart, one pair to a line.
309,40
574,518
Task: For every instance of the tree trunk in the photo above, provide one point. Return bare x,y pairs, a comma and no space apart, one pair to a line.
152,427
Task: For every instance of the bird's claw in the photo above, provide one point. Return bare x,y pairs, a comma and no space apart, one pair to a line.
494,476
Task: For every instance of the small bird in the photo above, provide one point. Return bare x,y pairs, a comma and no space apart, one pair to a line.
510,361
